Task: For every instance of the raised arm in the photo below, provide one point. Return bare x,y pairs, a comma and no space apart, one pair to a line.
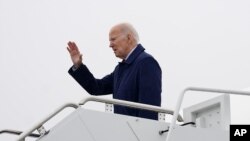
75,54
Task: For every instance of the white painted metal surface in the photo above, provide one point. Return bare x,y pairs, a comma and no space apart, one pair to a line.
181,96
97,99
89,125
130,104
212,113
39,124
98,126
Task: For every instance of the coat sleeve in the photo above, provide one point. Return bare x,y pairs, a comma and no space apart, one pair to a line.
92,85
150,83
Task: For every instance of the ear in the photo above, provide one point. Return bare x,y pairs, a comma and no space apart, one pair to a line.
129,37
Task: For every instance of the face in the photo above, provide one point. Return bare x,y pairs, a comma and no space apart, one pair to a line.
119,42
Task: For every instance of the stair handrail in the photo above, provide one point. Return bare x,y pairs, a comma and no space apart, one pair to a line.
97,99
181,96
130,104
40,124
16,132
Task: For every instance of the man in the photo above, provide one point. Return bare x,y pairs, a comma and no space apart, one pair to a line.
137,78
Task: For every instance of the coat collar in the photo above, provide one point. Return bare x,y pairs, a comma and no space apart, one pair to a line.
138,50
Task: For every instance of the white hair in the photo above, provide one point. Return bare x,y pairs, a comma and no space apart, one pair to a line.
128,28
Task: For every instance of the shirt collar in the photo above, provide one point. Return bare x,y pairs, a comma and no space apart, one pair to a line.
130,53
134,53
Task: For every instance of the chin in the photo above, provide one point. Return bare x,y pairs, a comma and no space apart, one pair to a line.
118,56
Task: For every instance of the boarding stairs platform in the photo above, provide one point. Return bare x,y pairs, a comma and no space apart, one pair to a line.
89,125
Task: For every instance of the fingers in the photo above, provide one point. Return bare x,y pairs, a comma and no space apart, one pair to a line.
72,47
68,49
74,52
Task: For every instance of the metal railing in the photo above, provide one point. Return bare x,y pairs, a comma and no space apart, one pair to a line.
15,132
180,99
97,99
130,104
40,124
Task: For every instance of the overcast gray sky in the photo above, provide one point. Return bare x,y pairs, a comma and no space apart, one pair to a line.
197,43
